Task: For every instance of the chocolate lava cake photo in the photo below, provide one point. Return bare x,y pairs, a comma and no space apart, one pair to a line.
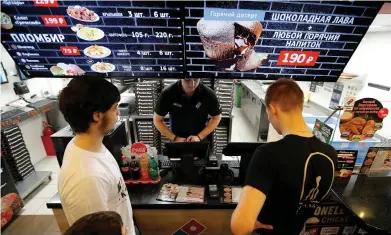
231,44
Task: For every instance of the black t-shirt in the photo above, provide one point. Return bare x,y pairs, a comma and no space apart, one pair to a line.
295,173
188,115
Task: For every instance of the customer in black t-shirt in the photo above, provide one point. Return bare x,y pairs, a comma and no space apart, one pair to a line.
288,178
189,103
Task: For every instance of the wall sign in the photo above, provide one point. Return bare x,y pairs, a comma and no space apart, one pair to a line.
266,40
362,119
307,41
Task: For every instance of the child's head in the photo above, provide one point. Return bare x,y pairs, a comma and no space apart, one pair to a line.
99,223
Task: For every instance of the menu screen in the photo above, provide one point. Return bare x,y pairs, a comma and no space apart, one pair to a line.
304,40
49,38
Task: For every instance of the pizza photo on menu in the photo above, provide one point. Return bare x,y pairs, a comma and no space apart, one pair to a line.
82,14
97,52
90,34
231,44
102,67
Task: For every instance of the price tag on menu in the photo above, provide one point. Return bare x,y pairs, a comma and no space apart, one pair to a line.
70,50
54,20
46,3
298,58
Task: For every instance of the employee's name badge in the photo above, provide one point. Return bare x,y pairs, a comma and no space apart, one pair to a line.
198,105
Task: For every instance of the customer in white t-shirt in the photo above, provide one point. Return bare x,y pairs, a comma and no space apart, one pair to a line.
90,179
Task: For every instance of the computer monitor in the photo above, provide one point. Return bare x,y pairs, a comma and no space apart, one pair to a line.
186,152
180,150
245,150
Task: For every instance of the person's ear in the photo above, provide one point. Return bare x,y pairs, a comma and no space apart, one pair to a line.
96,116
124,229
272,109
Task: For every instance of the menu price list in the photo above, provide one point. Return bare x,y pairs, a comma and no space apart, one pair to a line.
98,38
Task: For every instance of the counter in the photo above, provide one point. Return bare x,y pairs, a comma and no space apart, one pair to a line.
369,198
28,113
360,194
157,217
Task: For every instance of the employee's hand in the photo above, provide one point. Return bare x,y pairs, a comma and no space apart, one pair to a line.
180,139
193,138
259,225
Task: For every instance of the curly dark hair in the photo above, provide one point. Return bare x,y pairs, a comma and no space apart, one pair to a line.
84,96
99,223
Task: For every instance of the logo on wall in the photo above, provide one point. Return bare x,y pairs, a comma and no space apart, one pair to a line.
362,119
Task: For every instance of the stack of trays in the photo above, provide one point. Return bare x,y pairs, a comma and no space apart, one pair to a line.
207,82
220,139
15,153
224,91
147,94
147,133
163,138
167,82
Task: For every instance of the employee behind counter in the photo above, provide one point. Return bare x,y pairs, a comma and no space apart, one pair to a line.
189,103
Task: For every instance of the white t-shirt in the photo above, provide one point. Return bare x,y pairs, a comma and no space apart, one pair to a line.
90,182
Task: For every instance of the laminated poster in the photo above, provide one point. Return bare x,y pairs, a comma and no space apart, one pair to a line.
362,119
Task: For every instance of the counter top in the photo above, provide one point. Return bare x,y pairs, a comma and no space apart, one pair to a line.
144,197
27,113
367,197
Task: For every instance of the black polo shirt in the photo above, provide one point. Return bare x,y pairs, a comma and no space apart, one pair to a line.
188,115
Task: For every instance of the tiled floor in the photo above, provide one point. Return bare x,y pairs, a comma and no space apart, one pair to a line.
35,203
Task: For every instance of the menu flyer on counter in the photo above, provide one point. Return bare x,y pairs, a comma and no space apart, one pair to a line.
306,41
230,194
377,159
181,193
345,162
361,119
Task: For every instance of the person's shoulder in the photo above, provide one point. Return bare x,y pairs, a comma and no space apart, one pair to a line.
207,90
174,87
268,149
327,149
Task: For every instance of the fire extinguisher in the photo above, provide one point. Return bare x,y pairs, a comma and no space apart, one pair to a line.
47,130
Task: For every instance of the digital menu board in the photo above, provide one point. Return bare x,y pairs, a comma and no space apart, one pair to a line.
49,38
304,40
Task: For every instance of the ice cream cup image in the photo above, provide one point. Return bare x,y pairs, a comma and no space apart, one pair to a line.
6,22
231,44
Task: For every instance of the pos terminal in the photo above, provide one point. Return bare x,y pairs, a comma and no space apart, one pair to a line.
182,156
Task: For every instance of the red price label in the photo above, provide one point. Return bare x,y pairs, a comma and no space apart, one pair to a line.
383,113
70,50
54,20
298,58
46,3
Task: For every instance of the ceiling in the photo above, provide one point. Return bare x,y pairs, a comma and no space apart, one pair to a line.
382,22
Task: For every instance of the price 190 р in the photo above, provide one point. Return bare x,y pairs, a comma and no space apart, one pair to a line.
298,58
